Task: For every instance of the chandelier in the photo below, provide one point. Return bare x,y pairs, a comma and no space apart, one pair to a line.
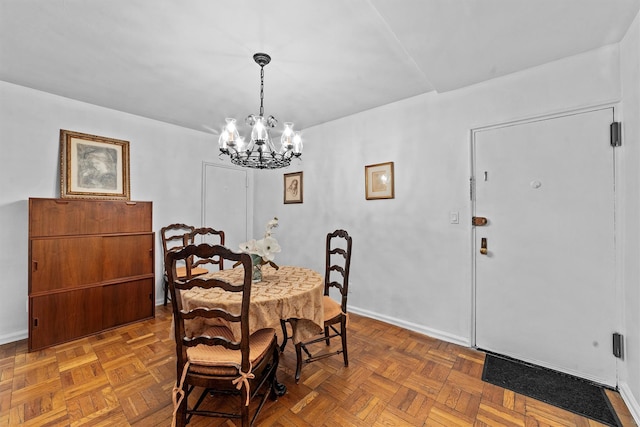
259,152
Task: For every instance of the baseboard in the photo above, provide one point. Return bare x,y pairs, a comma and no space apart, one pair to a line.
444,336
15,336
631,401
21,335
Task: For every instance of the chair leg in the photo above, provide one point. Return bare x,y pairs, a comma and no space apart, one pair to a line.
285,335
181,413
166,292
244,409
326,334
298,361
343,336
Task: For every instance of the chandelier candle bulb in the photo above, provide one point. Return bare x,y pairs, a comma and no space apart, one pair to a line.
229,135
297,144
287,135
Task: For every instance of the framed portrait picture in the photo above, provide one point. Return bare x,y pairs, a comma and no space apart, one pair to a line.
379,181
293,187
93,167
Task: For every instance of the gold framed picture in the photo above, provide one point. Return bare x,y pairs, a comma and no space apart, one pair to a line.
293,187
93,167
379,181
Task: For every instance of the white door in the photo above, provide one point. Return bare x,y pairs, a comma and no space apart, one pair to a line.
226,202
545,289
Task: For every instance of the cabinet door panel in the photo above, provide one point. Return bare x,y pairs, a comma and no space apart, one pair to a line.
127,302
54,217
60,317
124,217
65,263
127,256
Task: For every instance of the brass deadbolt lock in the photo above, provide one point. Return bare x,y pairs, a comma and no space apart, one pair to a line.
479,221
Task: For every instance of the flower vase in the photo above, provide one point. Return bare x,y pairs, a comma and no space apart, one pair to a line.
256,274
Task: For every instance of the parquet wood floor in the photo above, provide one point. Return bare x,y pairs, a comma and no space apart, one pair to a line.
396,377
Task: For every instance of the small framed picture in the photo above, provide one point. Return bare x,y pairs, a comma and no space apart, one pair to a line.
93,167
293,187
379,181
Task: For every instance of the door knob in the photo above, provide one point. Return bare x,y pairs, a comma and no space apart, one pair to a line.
483,246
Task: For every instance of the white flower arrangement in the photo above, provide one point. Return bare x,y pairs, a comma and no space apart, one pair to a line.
263,250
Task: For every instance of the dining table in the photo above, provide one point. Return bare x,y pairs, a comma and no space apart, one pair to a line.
286,293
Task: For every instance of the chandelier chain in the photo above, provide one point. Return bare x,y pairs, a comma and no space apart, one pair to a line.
261,91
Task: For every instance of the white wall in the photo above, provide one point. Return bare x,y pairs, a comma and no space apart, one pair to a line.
629,181
165,168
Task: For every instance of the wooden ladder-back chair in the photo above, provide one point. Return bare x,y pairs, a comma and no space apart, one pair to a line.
213,361
336,277
203,235
173,239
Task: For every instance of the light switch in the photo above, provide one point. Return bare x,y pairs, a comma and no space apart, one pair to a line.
454,218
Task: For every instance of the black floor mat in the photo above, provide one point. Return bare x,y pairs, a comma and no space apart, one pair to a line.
555,388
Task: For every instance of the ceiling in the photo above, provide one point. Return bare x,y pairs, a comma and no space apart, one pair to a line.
189,62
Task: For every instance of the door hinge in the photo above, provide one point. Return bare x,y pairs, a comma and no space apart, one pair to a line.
616,134
618,345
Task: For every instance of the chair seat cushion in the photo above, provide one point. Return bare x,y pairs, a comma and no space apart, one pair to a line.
197,271
217,360
331,308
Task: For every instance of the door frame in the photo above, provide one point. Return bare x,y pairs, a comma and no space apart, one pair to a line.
249,194
618,232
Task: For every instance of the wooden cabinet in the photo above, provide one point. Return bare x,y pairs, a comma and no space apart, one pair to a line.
91,267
